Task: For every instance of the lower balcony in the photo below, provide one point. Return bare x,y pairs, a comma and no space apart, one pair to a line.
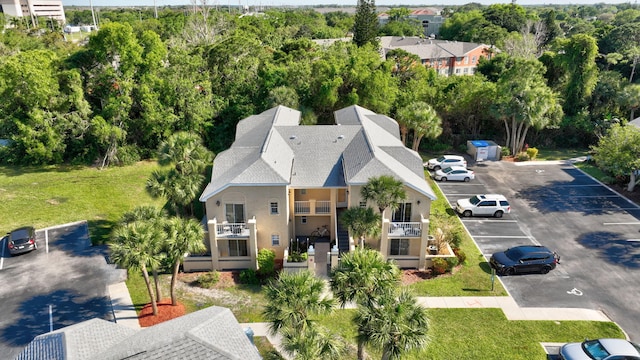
405,230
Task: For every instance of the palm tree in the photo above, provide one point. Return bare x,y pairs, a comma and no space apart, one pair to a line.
385,191
362,276
293,302
426,122
361,222
312,344
133,248
183,236
180,185
156,217
394,322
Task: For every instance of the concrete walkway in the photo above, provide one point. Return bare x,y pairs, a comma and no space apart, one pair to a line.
123,310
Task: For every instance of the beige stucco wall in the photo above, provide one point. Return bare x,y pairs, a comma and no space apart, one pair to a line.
412,197
256,200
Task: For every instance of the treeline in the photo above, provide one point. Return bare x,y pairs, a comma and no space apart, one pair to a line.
140,79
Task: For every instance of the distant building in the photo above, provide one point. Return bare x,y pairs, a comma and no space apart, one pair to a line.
429,18
50,9
446,57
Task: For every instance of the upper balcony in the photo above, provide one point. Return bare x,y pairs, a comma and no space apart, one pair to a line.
313,207
232,230
405,230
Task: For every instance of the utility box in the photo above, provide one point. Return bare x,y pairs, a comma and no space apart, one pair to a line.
482,150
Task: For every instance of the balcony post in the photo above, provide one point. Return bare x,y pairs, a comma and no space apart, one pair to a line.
424,243
253,243
384,238
212,225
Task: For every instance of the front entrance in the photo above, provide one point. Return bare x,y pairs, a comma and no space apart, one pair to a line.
322,248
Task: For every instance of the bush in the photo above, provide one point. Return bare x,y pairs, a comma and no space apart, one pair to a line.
297,257
457,235
127,155
462,257
608,180
249,277
451,262
266,262
522,156
439,266
532,152
208,280
504,151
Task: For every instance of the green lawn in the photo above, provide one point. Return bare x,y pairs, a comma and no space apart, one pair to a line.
560,154
46,196
484,334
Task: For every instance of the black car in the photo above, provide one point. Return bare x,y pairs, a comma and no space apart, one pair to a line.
524,259
22,240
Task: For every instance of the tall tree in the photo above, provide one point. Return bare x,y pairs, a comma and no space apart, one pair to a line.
630,97
294,301
361,222
618,152
183,236
187,158
362,276
395,322
385,191
525,101
580,65
425,121
133,247
365,28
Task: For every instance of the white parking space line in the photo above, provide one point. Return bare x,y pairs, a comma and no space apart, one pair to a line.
622,223
594,196
4,246
486,220
46,241
590,185
503,236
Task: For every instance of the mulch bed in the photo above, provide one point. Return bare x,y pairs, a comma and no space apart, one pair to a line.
166,311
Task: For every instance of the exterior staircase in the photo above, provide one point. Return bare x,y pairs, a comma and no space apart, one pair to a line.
342,234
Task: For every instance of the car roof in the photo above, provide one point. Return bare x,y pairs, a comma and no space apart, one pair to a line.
619,347
492,196
531,248
454,157
23,231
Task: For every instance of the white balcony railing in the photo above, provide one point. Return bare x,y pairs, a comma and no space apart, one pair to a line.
232,229
318,207
405,229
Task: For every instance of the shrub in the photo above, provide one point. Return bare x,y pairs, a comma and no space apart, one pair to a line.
297,257
249,277
208,280
608,180
266,262
127,155
532,152
504,151
457,235
439,266
462,257
451,262
522,156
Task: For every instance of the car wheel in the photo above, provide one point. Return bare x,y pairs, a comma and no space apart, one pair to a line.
509,271
436,168
545,269
498,214
466,179
467,213
444,179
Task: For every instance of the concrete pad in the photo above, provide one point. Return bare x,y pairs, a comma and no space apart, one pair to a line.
123,310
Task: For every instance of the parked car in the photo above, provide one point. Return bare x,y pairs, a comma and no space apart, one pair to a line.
445,161
22,240
456,173
601,349
524,259
487,204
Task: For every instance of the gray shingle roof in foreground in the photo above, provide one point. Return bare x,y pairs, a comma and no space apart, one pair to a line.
211,333
271,149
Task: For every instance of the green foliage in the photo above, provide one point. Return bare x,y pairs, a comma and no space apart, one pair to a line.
365,28
523,156
532,153
128,155
505,151
266,263
461,255
452,262
208,280
440,266
249,277
619,151
296,256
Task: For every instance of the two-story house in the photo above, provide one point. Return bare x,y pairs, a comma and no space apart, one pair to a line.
279,181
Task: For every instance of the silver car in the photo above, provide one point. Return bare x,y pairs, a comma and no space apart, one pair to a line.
445,161
455,173
601,349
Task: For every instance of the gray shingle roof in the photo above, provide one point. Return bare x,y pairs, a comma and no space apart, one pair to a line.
211,333
427,48
271,149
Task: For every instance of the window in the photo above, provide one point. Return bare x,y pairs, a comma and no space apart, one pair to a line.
274,208
275,240
402,213
466,70
303,220
457,71
488,203
303,191
473,60
238,248
363,204
399,247
466,59
234,213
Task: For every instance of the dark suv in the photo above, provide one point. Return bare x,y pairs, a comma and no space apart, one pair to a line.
22,240
524,259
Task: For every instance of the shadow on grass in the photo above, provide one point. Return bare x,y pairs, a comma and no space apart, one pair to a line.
484,265
100,231
23,170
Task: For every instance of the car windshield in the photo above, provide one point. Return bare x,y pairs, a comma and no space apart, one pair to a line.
594,349
441,159
475,200
447,170
514,254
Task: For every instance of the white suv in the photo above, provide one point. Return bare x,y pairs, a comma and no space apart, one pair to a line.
445,161
487,204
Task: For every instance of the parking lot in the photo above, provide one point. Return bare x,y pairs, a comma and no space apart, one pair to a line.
62,283
593,229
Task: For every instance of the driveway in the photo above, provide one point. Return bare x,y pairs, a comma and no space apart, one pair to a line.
594,230
62,283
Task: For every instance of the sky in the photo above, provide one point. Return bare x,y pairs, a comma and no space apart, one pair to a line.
251,3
